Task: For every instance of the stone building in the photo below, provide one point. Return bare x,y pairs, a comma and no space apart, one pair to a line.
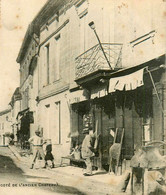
5,126
15,109
27,57
105,59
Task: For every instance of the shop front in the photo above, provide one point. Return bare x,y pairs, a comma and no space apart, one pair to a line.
24,118
132,105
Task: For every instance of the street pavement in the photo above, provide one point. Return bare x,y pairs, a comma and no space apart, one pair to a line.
21,180
18,178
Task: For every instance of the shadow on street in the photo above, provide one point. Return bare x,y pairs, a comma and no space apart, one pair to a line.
12,173
7,166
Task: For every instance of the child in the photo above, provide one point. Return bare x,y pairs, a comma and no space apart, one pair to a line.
49,155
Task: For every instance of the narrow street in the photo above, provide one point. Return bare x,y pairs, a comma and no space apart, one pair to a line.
82,86
14,179
17,177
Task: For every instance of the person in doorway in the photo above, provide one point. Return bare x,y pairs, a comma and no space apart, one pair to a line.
49,155
87,150
37,142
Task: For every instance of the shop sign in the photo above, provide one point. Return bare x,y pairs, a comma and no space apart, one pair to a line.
76,97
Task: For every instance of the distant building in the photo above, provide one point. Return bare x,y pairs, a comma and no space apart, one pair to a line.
5,126
15,104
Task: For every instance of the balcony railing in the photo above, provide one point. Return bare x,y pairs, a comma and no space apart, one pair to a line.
93,59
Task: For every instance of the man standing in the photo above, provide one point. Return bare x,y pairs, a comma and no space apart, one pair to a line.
37,142
87,150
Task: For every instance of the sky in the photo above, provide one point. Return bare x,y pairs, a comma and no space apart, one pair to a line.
15,15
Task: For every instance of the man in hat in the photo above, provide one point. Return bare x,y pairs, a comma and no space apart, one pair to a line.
37,142
87,150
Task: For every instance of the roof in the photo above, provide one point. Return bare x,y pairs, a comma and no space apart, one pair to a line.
27,38
49,9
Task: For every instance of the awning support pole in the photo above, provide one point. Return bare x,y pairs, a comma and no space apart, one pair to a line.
155,90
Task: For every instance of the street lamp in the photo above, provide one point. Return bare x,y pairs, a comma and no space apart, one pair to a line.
92,26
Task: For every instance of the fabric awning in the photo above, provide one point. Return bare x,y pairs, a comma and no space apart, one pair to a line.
127,82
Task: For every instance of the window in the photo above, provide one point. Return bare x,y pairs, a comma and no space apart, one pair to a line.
57,57
47,120
81,8
48,63
143,38
58,121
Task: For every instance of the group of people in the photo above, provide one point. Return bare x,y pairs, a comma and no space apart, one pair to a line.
87,149
38,143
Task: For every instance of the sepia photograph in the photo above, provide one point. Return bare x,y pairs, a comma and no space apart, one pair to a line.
83,97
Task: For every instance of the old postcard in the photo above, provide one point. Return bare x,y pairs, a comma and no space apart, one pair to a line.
82,97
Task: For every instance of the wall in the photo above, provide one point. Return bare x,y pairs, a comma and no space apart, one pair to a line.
116,22
58,69
15,110
33,105
25,77
25,62
126,22
25,95
49,120
159,123
164,108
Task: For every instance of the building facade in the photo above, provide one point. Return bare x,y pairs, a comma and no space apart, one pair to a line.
27,57
5,126
85,70
15,104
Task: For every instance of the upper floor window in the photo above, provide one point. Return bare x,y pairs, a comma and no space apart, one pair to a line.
143,38
81,7
57,56
48,63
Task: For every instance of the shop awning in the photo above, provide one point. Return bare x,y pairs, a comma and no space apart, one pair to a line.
127,82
